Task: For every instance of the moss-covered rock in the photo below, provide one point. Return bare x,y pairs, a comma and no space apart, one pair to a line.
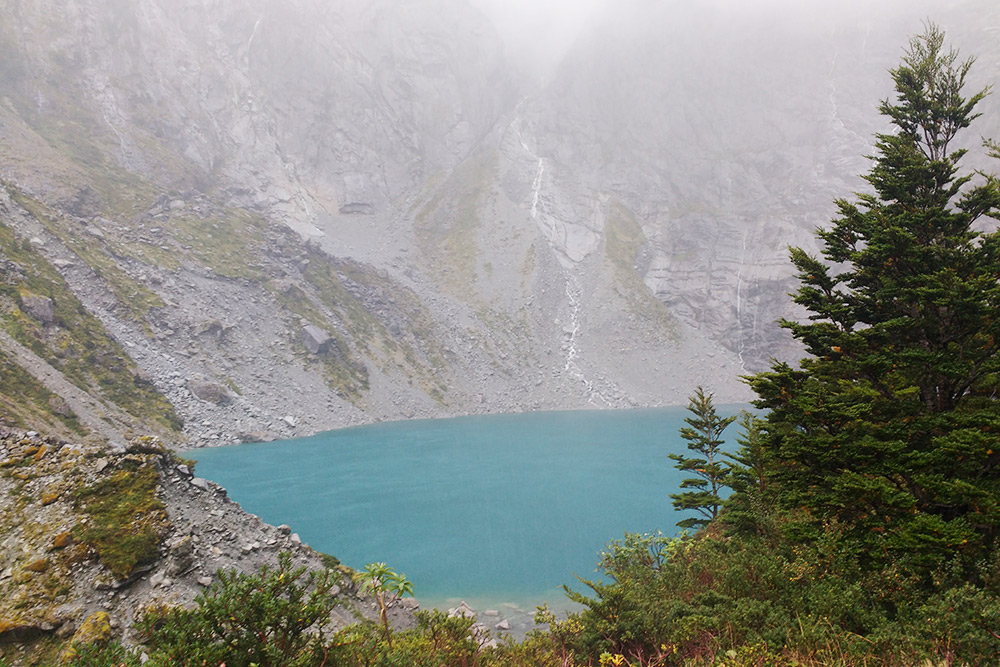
96,629
125,519
37,565
62,540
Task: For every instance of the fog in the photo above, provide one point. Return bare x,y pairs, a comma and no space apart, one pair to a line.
537,33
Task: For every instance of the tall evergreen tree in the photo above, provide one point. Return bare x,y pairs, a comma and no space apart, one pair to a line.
890,427
704,436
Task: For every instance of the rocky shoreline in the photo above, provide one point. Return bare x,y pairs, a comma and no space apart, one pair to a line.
52,579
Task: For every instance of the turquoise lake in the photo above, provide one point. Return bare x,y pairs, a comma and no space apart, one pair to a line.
496,510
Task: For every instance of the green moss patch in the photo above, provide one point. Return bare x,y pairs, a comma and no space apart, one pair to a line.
136,298
411,349
343,370
448,225
27,403
227,243
125,520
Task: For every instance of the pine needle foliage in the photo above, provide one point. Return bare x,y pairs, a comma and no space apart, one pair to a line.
890,426
703,434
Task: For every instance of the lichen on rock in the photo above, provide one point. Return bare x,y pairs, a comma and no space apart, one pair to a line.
96,629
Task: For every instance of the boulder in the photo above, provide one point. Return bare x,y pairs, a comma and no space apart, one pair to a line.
200,483
39,307
95,630
146,444
20,630
316,340
462,610
59,406
255,436
214,329
182,556
210,392
357,208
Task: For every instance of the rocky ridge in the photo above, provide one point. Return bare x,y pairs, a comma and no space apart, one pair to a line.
54,574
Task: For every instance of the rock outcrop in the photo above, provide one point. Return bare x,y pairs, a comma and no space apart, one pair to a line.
58,577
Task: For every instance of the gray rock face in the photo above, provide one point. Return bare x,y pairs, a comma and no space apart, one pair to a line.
39,307
316,340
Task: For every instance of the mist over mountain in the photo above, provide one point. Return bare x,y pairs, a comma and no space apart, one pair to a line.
300,215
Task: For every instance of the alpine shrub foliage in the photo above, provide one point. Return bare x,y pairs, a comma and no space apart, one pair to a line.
272,619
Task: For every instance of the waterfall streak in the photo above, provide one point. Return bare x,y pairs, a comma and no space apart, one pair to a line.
536,187
573,292
739,302
573,289
121,139
253,34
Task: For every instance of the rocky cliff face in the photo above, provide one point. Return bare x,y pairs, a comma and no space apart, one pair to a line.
295,216
728,131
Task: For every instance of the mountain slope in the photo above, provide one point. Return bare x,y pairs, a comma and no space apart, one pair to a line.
300,217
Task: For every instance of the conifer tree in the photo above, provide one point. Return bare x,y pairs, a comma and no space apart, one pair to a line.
748,510
890,427
704,436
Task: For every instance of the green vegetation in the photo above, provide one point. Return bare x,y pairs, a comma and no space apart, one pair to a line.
135,297
228,244
889,429
345,373
125,520
448,227
692,601
387,586
275,618
26,403
411,349
864,524
704,437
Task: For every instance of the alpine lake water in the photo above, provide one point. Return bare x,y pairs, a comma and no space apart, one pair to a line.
499,511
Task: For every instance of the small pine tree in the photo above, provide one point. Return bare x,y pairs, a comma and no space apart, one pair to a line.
704,436
749,510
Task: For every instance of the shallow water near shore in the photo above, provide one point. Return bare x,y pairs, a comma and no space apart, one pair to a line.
499,510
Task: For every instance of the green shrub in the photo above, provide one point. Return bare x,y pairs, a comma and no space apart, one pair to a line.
274,618
110,655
